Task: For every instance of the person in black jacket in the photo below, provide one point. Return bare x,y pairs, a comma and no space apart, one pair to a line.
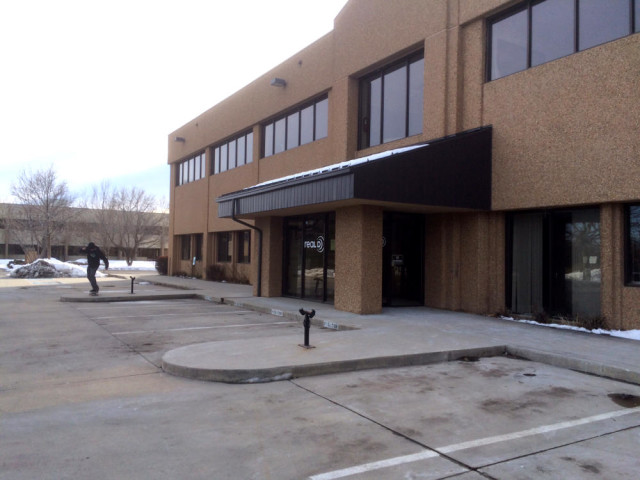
94,255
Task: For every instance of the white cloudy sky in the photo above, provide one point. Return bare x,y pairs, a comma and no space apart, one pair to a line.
94,88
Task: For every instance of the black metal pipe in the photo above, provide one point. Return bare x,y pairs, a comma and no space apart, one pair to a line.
132,279
307,324
259,232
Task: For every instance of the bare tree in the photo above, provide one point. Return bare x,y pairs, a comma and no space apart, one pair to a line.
44,209
126,219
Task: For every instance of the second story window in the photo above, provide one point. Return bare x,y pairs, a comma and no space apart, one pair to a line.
391,102
536,32
233,153
298,127
191,169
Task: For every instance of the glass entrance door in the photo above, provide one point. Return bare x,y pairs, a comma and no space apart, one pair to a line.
403,259
309,257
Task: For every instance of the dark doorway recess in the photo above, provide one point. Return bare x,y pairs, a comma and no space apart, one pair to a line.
403,259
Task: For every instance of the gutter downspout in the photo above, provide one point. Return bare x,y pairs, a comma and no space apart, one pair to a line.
253,227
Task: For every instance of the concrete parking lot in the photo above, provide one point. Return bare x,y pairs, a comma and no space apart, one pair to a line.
82,395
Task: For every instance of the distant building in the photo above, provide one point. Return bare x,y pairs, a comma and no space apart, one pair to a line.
16,241
502,172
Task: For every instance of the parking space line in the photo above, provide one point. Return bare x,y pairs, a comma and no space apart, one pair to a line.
173,315
204,328
367,467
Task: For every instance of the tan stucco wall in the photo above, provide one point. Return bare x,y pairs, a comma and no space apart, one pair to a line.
464,262
271,256
566,132
358,273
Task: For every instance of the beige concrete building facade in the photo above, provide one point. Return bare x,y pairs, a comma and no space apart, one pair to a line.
472,155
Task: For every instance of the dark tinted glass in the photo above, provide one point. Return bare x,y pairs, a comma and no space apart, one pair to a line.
509,45
322,119
375,111
602,21
249,147
416,88
633,244
552,30
306,125
293,128
268,140
280,133
395,105
637,10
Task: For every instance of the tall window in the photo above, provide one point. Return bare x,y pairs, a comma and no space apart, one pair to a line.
233,153
536,32
298,127
391,102
191,169
244,246
632,245
225,246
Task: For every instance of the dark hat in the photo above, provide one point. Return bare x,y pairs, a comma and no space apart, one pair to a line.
91,245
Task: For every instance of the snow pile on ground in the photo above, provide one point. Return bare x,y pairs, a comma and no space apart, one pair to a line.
50,268
138,265
628,334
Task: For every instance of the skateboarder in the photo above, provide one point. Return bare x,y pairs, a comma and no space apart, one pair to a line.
94,255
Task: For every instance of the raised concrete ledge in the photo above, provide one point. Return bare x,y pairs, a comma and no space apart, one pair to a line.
572,362
136,297
209,362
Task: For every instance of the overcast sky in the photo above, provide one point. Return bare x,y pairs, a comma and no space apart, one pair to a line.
94,88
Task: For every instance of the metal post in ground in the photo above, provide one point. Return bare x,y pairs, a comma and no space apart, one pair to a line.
132,279
307,325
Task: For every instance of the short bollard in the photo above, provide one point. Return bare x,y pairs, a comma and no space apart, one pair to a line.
307,325
132,279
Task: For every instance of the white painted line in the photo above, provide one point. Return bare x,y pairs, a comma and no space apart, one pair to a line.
367,467
203,328
537,430
155,315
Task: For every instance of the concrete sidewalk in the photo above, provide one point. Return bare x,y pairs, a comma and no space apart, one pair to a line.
396,337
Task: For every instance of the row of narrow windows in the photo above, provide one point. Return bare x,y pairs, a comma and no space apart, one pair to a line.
535,32
391,98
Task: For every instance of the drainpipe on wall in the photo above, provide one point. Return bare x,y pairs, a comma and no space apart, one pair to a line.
253,227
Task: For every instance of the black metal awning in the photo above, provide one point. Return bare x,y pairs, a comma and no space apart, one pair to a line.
451,172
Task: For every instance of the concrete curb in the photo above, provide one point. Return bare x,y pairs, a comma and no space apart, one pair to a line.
581,365
129,298
171,364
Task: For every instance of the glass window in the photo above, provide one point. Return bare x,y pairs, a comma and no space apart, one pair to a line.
268,140
197,167
322,119
602,22
416,92
244,246
223,157
391,102
552,30
241,153
198,252
306,125
632,260
637,20
293,129
185,247
232,154
509,45
279,137
375,113
180,180
249,155
216,160
394,115
225,246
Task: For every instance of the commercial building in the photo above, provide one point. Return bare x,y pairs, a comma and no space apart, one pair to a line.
472,155
22,232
